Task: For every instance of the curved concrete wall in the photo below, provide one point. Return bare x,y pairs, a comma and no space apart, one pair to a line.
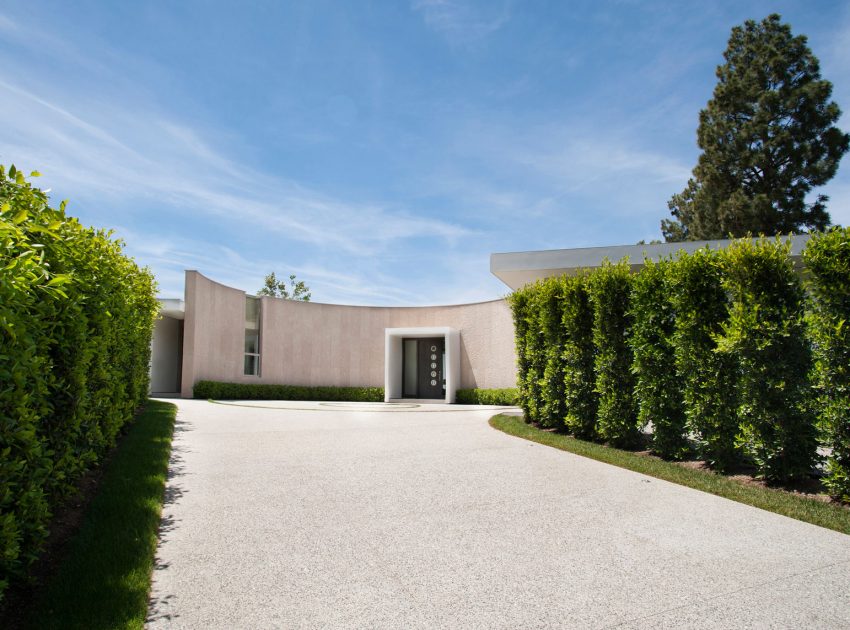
306,343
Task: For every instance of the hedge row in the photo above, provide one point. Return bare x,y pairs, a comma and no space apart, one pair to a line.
76,318
503,397
216,390
722,352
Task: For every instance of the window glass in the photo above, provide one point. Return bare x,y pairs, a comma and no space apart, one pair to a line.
252,365
252,341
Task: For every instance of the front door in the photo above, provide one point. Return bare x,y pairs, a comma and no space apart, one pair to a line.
430,368
423,372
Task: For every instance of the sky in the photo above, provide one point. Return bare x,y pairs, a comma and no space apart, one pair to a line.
380,151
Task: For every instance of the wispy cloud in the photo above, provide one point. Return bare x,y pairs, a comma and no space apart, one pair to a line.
116,152
460,20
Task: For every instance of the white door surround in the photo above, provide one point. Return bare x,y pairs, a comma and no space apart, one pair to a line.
393,358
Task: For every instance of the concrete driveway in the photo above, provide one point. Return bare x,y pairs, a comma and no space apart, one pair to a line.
344,515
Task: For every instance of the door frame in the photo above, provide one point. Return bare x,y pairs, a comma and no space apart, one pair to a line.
393,359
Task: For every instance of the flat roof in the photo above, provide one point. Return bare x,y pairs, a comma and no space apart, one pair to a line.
174,308
516,269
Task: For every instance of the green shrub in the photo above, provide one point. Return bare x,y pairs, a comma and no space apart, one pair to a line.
76,318
260,391
552,409
518,301
610,290
581,402
827,258
765,334
708,378
526,305
658,388
505,397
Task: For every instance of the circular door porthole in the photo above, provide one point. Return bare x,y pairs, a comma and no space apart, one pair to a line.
433,348
433,383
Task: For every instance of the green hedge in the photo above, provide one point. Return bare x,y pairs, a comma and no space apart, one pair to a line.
553,410
713,348
610,295
658,389
505,397
827,259
708,377
765,337
581,401
257,391
76,319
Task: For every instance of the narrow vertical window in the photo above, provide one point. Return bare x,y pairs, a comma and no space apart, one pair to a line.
252,336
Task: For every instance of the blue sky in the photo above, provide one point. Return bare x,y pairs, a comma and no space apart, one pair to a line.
379,150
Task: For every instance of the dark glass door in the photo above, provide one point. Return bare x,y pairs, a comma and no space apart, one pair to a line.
430,368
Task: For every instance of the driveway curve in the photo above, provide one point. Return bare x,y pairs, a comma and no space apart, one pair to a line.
310,515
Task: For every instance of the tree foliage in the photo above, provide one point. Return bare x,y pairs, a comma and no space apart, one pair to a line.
767,137
295,290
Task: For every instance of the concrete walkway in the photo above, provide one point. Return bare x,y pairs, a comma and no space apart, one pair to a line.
343,515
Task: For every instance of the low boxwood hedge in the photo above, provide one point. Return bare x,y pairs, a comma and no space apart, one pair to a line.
508,396
259,391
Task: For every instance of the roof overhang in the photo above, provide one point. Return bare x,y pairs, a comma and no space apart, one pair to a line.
174,308
516,269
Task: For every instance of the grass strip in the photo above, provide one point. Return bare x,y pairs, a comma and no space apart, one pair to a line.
104,582
812,511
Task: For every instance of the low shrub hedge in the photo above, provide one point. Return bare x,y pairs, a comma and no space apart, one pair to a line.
506,397
260,391
76,319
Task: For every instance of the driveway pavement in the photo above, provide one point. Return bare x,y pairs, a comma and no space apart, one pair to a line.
344,515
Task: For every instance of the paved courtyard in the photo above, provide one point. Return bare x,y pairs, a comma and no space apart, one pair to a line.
344,515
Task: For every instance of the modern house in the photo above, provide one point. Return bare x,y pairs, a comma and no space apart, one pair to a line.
427,353
223,334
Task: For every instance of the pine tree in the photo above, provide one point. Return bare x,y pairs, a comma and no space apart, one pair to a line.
768,137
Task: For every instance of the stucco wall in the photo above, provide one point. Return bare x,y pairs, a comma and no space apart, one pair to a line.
306,343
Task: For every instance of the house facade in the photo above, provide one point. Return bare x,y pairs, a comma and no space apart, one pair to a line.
223,334
220,333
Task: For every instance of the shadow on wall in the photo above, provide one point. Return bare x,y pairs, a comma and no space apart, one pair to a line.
466,367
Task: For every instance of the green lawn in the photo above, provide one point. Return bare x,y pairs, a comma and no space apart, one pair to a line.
805,509
104,581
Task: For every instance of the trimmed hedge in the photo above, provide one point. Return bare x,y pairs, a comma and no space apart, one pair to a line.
581,401
765,337
552,411
658,388
259,391
76,319
610,295
708,378
827,259
505,397
713,348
